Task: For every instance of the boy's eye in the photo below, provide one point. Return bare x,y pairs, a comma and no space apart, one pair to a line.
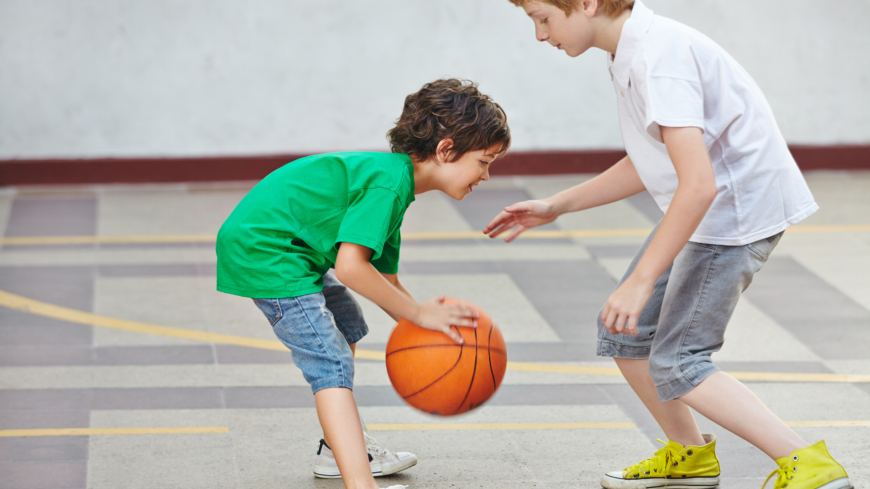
484,162
544,21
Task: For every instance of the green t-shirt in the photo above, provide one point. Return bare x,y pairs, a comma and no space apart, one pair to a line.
284,235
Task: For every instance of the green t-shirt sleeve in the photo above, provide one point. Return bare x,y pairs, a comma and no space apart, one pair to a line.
388,262
371,218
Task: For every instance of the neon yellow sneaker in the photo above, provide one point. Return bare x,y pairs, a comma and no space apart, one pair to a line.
810,468
674,466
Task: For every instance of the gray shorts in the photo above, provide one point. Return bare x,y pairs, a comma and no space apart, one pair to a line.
684,321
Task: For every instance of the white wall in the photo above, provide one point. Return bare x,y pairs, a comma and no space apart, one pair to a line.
96,78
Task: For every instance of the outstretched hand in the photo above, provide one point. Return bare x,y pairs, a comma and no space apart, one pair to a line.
437,315
522,215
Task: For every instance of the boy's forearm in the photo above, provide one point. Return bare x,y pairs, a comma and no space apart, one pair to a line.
619,182
394,281
353,269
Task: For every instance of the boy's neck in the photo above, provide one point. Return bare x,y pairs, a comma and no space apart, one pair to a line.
424,175
610,30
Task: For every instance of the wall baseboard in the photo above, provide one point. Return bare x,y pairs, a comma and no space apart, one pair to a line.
226,168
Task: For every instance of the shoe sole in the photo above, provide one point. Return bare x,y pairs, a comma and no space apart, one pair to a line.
838,484
652,483
330,473
398,468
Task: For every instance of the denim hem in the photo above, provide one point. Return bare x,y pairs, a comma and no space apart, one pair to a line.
618,350
361,332
686,382
331,382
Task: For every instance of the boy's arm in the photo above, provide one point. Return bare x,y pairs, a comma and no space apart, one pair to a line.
393,279
694,195
619,182
353,269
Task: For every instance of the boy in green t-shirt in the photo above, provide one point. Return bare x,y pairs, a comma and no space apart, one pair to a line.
344,211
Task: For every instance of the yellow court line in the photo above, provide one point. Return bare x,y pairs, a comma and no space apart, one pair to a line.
39,308
113,431
434,236
497,426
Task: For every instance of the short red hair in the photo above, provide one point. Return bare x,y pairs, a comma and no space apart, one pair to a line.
610,7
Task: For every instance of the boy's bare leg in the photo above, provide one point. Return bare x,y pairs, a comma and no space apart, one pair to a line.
342,431
730,404
674,417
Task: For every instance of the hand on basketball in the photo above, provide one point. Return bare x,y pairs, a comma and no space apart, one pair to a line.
624,306
523,215
437,315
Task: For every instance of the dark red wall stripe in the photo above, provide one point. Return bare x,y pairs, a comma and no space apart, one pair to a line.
209,169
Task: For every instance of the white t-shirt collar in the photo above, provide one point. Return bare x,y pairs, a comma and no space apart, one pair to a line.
633,31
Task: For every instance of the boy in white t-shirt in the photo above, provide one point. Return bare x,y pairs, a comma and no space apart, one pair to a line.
702,140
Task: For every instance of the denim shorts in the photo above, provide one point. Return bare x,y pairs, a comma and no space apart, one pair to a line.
683,323
319,329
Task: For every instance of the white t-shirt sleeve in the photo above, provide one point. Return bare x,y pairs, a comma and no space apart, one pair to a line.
673,102
672,94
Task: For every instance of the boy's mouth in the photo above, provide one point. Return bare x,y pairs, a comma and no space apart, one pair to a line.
470,187
558,46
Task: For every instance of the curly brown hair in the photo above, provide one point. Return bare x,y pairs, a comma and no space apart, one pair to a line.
611,7
449,109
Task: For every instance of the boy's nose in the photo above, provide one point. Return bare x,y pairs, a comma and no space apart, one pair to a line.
541,35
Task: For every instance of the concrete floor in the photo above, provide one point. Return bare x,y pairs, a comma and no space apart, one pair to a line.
808,312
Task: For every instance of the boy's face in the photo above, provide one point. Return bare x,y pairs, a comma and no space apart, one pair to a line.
570,33
466,172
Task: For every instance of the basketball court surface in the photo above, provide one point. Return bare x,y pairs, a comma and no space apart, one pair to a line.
122,367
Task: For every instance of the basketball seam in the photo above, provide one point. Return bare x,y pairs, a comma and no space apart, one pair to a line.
489,356
497,350
473,372
458,359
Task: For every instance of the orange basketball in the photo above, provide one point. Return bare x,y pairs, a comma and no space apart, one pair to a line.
435,374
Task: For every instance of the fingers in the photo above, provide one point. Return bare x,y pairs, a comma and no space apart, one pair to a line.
497,221
453,334
514,234
631,325
502,228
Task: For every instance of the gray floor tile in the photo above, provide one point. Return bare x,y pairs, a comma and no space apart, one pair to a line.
41,417
158,398
549,395
21,355
793,367
644,203
239,354
827,321
613,251
269,397
46,399
153,355
63,286
43,448
22,329
44,475
151,270
52,216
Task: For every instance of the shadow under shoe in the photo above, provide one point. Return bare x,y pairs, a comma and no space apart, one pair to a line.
673,466
810,468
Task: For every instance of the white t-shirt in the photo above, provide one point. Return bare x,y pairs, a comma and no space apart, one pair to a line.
667,74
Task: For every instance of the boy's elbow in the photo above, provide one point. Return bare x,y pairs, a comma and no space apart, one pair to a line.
344,272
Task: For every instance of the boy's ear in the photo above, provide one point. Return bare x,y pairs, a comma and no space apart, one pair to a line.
589,7
444,151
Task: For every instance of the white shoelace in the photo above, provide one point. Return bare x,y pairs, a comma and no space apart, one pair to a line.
372,447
